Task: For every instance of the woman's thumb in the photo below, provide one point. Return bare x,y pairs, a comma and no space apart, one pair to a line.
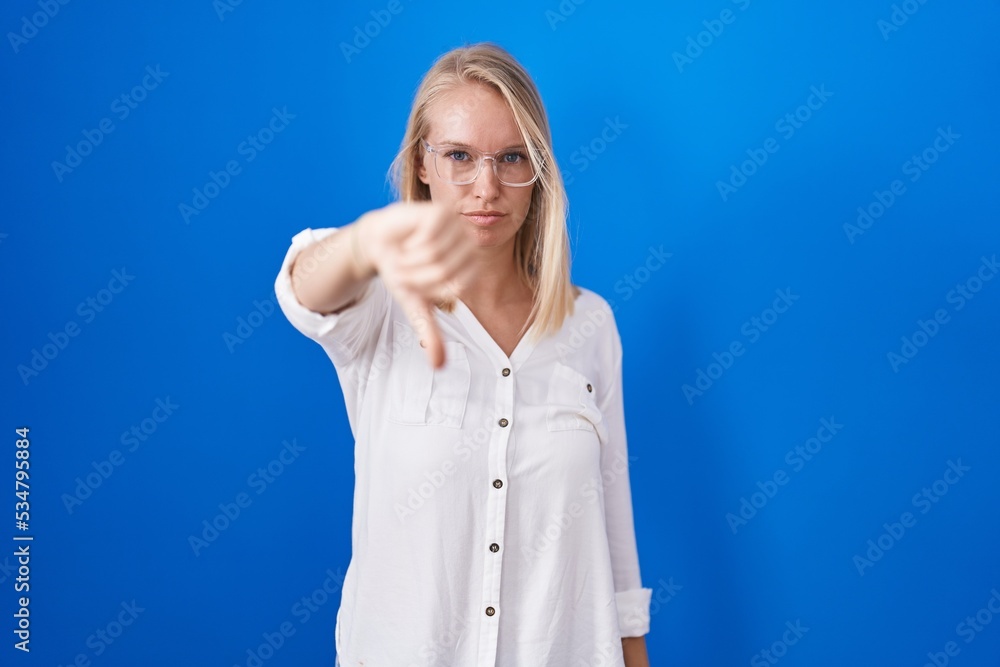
419,312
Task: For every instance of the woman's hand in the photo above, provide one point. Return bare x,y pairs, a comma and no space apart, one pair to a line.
419,249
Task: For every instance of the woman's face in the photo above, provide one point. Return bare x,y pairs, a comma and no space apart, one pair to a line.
476,116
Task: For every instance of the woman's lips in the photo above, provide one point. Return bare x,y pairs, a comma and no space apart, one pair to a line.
484,218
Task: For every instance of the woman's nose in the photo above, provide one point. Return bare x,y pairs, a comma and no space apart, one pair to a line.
488,183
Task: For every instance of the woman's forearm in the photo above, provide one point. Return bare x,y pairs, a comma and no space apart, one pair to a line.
634,651
329,273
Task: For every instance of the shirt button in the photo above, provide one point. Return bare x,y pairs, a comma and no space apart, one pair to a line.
490,611
590,387
494,547
497,483
505,372
503,423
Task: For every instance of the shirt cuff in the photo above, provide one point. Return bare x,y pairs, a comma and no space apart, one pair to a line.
311,323
633,611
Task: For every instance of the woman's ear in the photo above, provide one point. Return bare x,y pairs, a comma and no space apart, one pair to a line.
421,167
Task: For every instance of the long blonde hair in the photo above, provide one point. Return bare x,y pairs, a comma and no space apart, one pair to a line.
541,246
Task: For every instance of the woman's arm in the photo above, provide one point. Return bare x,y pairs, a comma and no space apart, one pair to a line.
330,273
416,248
632,599
634,650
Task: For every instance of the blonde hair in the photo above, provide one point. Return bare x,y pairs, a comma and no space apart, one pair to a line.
541,246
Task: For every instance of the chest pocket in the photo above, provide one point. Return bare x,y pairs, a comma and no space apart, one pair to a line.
571,403
421,395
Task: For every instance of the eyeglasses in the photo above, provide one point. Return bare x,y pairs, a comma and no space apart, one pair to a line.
461,165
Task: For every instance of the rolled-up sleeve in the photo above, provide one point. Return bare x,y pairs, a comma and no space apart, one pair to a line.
347,335
632,599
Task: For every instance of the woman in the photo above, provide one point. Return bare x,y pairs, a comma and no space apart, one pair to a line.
492,508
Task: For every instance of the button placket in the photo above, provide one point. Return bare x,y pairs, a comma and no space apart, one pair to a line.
496,509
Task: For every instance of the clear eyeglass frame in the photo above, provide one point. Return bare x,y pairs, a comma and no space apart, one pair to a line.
435,151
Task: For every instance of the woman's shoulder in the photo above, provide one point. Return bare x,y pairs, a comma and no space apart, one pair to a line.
589,299
590,335
594,314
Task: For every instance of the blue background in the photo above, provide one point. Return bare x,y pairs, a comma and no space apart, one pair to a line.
725,589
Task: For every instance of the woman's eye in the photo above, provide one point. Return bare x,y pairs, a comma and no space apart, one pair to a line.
514,158
460,156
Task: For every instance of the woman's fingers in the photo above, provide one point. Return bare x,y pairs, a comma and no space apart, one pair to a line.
430,258
423,252
421,316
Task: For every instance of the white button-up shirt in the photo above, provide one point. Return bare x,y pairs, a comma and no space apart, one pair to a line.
492,517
